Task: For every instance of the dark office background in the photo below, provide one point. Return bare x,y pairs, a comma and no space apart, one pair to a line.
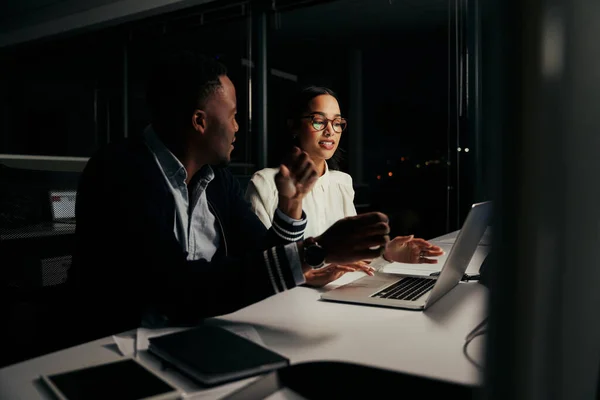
405,72
67,95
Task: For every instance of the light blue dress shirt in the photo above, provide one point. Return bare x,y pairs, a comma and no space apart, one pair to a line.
195,226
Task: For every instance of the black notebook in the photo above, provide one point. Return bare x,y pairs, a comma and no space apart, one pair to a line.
213,355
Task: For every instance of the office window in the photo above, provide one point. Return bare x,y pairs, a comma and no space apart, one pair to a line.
388,62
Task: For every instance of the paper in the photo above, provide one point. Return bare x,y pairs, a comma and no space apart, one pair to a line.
412,269
126,343
130,343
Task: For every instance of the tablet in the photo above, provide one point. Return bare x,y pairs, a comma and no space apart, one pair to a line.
120,380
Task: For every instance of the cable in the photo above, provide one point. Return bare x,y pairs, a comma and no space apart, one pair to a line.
465,277
477,331
470,278
467,344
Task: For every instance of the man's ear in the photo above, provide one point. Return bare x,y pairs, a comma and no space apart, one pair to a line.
199,121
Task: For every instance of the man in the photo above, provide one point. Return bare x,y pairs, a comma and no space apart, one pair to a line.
164,235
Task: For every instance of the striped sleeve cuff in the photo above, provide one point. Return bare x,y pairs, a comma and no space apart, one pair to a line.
289,229
379,263
293,256
284,267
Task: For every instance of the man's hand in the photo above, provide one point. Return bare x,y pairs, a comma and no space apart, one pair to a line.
407,249
296,177
358,238
325,275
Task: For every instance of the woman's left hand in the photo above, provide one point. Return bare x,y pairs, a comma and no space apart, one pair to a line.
325,275
411,250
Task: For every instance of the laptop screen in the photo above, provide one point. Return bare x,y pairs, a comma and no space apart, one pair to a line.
462,251
62,204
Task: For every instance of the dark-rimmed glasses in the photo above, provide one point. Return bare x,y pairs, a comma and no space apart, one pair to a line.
319,122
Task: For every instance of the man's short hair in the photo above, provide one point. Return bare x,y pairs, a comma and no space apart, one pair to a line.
178,84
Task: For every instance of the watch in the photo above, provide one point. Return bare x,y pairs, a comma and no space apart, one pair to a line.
314,254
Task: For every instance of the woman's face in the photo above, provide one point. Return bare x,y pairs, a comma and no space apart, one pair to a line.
320,127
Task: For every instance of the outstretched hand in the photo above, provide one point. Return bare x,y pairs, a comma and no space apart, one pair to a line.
411,250
296,176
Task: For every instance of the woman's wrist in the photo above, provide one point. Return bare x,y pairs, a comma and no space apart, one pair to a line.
386,256
290,207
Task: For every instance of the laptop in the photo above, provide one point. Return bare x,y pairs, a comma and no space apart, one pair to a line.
414,291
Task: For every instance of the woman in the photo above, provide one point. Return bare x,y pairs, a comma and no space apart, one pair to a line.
316,126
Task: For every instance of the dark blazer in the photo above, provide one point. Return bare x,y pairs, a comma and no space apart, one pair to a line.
127,257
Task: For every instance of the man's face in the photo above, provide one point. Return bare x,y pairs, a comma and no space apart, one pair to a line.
221,125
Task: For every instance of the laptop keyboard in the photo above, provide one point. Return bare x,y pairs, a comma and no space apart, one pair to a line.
408,288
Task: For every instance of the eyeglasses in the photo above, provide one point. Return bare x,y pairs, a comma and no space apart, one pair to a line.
319,122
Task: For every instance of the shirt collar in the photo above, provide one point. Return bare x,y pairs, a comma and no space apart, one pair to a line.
323,179
171,166
203,177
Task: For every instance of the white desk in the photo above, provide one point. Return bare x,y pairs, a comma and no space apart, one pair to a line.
300,326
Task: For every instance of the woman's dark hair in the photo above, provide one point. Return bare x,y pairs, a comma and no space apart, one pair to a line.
297,108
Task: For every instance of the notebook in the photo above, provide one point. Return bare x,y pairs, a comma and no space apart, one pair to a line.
120,380
213,355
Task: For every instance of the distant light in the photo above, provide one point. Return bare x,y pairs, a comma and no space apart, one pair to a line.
426,162
466,149
402,158
390,173
418,165
459,149
378,176
448,163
